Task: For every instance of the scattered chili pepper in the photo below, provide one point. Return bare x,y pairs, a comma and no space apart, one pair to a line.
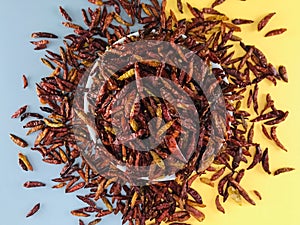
255,95
34,210
217,2
179,6
65,14
263,22
257,157
278,120
265,161
275,138
159,201
265,131
19,112
18,141
283,73
25,81
219,206
241,21
275,32
257,194
43,35
283,170
33,184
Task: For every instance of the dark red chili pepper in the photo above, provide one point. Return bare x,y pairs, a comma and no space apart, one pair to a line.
275,138
279,119
257,157
19,112
179,6
65,14
218,174
217,2
33,210
255,101
241,21
25,81
265,131
265,161
283,73
219,206
263,22
251,134
33,184
26,115
257,194
275,32
283,170
207,36
18,141
43,35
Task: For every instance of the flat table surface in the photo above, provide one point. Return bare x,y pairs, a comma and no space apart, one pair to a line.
18,19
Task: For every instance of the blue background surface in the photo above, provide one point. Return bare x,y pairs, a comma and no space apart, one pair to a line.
18,19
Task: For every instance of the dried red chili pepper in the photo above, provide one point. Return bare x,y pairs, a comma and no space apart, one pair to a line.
19,112
283,73
218,174
241,21
25,81
275,32
283,170
257,157
18,141
33,184
263,22
179,6
255,101
275,138
257,194
219,206
265,131
251,134
265,161
94,222
26,115
43,35
279,119
55,140
34,210
65,14
217,2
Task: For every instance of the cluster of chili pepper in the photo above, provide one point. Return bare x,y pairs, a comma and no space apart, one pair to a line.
210,35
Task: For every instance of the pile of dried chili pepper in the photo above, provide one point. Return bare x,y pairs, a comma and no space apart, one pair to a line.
211,36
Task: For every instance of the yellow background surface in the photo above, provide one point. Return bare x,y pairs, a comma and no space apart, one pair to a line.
281,194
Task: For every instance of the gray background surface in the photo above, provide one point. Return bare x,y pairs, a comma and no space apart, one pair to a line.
18,19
